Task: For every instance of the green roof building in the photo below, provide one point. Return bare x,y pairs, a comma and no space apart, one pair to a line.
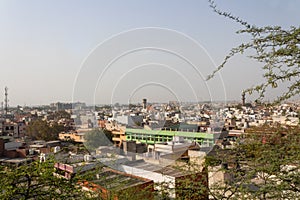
160,136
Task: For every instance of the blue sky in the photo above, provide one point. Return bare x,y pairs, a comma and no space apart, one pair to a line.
44,45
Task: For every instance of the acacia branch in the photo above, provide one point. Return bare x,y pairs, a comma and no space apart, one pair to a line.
278,49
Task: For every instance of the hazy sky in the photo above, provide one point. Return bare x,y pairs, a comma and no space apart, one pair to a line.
60,50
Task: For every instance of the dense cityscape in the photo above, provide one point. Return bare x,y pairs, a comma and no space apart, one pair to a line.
158,100
138,146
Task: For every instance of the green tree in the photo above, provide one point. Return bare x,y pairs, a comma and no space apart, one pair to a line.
61,114
36,181
41,130
96,138
277,48
263,165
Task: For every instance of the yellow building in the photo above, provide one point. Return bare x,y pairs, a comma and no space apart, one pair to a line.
117,131
72,136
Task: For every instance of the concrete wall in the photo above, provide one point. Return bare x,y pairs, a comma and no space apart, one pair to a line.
13,145
156,177
129,120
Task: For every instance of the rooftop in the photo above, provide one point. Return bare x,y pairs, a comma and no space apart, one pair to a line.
169,171
171,133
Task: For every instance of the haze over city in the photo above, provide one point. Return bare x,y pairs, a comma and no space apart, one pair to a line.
46,47
149,100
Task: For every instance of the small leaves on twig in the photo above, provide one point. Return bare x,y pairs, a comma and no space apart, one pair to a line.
277,48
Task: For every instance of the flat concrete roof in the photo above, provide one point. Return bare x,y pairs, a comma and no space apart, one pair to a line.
141,164
169,171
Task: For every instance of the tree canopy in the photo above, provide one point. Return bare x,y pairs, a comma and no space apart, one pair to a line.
36,181
276,47
265,164
96,138
41,130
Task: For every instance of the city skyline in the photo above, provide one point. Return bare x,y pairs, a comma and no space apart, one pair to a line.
46,46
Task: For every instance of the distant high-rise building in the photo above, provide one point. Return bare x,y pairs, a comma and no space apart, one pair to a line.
63,106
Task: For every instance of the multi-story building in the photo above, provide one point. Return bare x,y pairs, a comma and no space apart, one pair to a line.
72,136
161,136
14,129
118,132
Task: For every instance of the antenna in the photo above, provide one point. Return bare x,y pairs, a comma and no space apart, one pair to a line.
6,100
